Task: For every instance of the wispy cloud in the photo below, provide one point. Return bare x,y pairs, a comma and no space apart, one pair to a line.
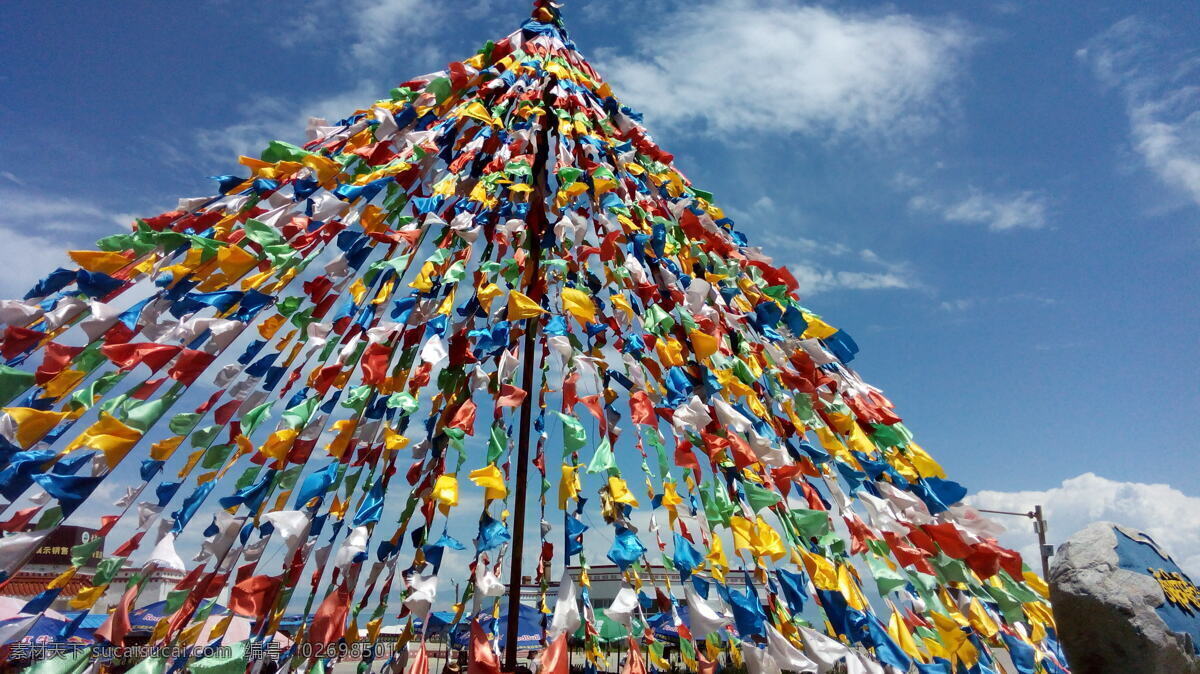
1026,209
277,118
1157,74
751,65
380,31
37,229
967,303
821,267
1167,514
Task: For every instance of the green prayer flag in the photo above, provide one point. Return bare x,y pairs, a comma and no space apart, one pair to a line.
154,665
287,479
357,398
296,417
440,88
277,150
70,663
813,523
574,437
603,460
1021,591
106,570
228,661
657,321
497,441
204,436
248,477
253,419
216,455
760,497
262,234
13,382
404,401
289,305
83,552
886,578
181,424
949,569
145,414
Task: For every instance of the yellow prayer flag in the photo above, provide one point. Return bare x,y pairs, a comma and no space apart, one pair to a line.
522,306
980,620
923,462
899,633
486,294
620,491
703,344
445,492
823,573
569,486
33,424
107,435
492,480
768,543
277,445
97,260
579,305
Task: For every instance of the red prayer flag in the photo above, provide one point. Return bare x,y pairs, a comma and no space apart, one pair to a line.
19,340
483,659
117,626
374,364
634,662
191,364
420,664
329,624
129,356
464,418
949,540
57,358
511,396
254,596
19,519
555,657
641,408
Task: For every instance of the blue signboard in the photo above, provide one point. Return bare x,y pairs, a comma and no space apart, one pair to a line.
1181,609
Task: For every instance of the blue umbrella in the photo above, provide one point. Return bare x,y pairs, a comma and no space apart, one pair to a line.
293,622
46,631
664,627
91,621
439,623
145,618
529,628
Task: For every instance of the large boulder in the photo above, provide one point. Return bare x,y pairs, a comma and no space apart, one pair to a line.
1112,613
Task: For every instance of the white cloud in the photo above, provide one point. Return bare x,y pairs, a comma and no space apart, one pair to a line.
37,229
1167,514
276,118
1000,213
758,64
1161,91
376,32
815,280
821,266
382,25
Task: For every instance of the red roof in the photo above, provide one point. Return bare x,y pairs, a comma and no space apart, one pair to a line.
30,584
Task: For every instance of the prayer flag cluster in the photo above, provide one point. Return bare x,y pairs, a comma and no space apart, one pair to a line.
320,356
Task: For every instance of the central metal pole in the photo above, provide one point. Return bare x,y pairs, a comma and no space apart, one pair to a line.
1044,550
534,227
1039,527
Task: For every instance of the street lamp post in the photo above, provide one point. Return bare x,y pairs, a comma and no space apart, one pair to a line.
1039,526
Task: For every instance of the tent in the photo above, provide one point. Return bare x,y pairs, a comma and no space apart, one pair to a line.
529,628
47,631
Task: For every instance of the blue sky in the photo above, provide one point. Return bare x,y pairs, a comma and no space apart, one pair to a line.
1000,201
